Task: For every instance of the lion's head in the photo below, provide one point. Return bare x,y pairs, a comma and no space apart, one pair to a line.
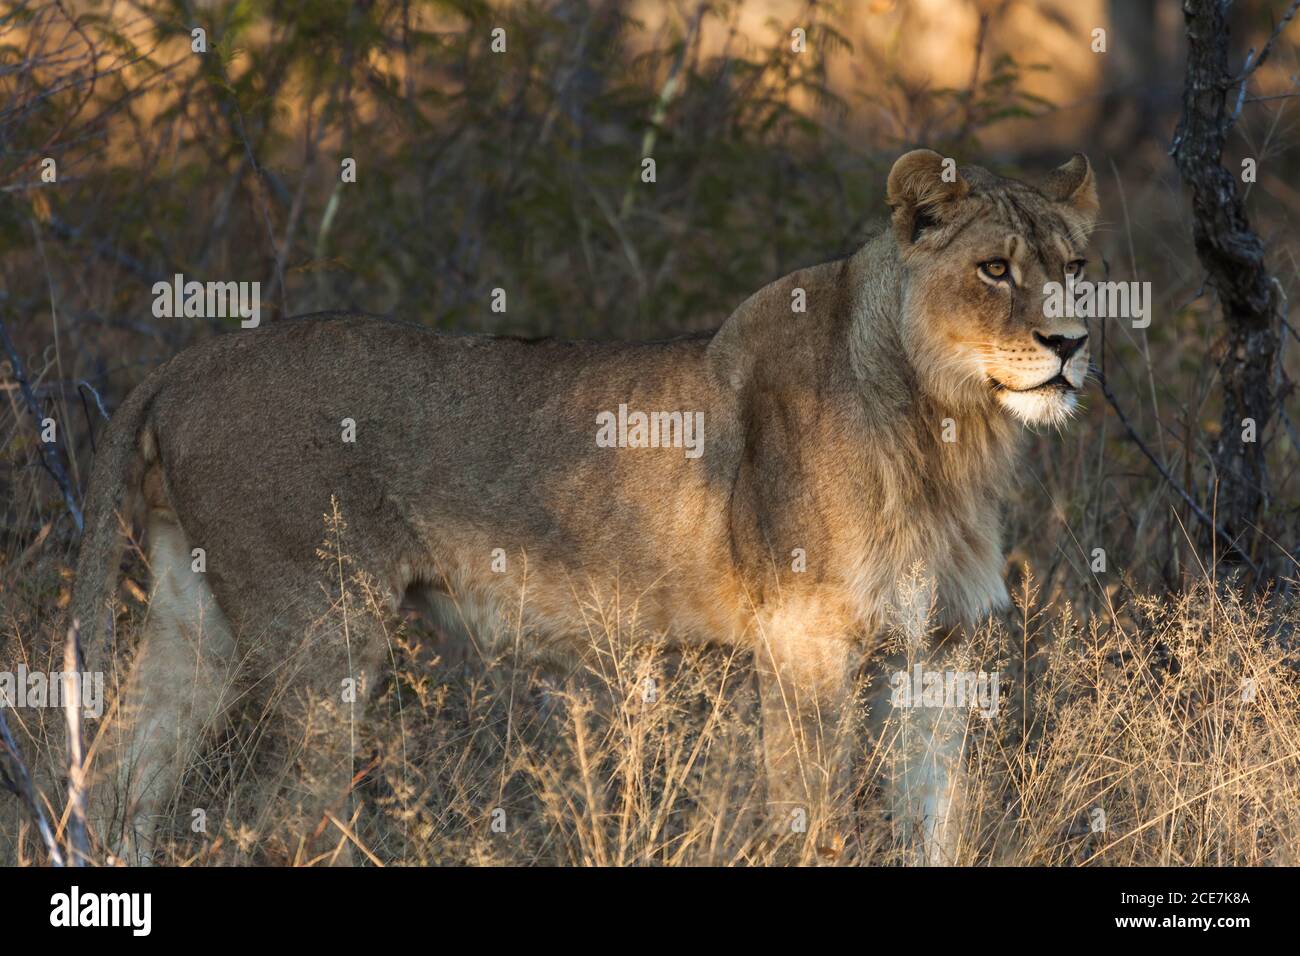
978,251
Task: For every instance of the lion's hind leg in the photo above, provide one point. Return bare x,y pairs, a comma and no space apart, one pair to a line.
317,666
180,685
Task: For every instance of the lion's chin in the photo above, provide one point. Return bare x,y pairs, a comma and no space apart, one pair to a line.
1047,406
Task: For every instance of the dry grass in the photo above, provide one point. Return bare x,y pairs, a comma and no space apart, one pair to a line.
1156,730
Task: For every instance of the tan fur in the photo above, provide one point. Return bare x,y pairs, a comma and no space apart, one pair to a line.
823,432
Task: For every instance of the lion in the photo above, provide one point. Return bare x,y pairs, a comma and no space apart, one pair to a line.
763,487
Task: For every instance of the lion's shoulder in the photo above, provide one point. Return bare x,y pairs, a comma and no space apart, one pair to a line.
787,317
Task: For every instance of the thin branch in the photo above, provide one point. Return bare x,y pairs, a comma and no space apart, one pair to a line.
666,94
1272,38
73,678
20,784
1196,509
49,450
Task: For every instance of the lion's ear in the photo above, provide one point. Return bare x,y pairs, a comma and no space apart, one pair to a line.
1072,184
920,183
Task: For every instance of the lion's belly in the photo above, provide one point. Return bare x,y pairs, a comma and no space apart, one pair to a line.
561,605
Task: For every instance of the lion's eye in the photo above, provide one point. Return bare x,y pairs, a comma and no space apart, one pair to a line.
996,269
1075,267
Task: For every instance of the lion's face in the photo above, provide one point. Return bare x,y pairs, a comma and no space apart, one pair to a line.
979,251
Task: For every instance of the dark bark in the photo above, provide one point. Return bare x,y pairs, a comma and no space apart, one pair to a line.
1233,258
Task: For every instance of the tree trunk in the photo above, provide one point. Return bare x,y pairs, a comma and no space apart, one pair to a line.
1233,258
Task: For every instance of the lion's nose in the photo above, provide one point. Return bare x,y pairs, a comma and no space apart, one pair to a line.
1063,345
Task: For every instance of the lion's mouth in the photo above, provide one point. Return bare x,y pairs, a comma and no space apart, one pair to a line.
1057,383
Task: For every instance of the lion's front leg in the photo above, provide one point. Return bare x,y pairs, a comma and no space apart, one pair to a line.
922,734
804,683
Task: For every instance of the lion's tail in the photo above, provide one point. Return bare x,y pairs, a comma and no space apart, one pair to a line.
109,500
